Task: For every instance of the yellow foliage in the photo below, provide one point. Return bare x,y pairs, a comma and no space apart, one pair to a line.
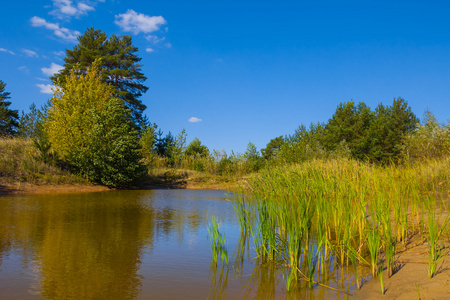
72,108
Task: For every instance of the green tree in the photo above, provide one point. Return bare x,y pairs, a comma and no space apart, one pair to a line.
350,123
388,130
93,131
198,153
272,148
147,141
8,117
171,147
164,145
305,143
178,147
31,127
252,157
195,148
29,123
119,63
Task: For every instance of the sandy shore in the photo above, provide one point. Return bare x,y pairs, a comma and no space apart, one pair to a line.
411,280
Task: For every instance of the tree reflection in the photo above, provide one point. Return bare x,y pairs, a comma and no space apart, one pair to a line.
86,247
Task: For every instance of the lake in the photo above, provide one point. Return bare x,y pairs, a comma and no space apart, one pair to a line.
148,244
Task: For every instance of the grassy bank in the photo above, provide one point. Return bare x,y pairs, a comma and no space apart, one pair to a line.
20,165
23,170
322,215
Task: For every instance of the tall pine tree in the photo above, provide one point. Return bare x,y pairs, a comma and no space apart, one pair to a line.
119,62
8,117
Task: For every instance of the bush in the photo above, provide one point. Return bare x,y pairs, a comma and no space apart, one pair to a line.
428,141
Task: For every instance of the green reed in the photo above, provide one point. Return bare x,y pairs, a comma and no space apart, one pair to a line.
436,252
241,209
335,212
380,275
218,242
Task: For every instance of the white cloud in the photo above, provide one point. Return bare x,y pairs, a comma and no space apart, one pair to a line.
194,120
83,7
23,69
168,45
59,53
45,88
154,39
30,53
149,50
7,51
136,22
67,8
64,33
54,68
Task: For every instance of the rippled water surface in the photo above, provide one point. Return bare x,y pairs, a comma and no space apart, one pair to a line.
129,245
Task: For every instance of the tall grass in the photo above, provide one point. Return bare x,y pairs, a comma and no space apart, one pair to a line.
20,161
340,212
435,229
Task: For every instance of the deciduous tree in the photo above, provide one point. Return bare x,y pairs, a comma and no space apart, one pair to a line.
93,131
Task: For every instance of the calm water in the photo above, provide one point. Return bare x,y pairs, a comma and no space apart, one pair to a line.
130,245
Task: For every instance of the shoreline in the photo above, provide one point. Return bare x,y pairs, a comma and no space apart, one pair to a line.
24,188
410,281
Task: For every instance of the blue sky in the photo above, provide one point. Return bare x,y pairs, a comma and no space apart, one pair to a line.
244,70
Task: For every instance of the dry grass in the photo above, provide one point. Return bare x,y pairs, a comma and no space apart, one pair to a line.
19,163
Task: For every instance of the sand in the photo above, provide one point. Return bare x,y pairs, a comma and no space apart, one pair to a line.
411,280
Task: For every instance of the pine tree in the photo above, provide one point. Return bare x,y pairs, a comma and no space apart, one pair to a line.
350,123
388,130
119,63
30,123
8,117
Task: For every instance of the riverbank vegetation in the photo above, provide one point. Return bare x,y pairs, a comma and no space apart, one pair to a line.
342,213
351,191
94,127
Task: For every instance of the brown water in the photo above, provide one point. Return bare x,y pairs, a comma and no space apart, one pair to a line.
132,245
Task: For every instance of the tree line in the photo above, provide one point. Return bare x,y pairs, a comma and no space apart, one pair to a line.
94,125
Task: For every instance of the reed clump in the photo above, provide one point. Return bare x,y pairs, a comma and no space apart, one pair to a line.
218,243
342,213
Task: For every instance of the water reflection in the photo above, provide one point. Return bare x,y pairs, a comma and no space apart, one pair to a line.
134,245
83,247
219,281
91,246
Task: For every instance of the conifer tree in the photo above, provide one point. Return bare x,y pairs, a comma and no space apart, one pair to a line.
8,117
119,62
388,130
350,123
